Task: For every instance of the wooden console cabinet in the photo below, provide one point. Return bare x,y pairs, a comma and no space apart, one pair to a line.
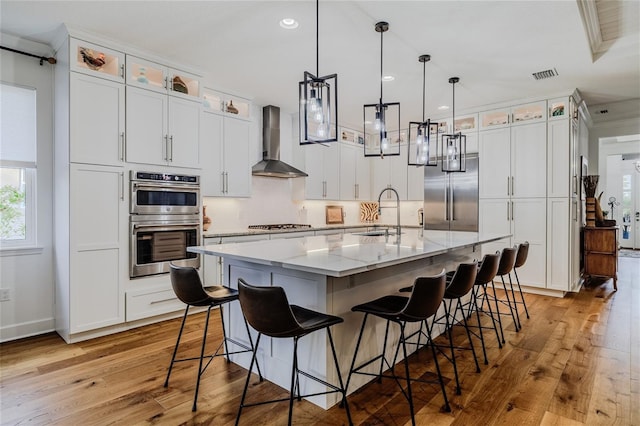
601,252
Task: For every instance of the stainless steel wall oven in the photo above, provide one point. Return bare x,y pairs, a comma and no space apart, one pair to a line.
164,220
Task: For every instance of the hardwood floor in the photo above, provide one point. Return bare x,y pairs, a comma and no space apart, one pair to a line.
575,362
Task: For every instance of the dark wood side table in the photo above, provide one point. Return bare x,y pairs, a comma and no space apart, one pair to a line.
601,253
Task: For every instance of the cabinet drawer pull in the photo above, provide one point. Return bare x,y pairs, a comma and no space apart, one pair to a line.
154,302
122,70
170,153
508,218
508,186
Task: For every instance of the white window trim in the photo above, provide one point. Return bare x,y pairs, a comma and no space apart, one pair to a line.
30,242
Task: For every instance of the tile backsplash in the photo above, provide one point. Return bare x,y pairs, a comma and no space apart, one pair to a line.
272,201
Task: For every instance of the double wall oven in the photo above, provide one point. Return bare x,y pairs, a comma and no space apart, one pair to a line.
164,220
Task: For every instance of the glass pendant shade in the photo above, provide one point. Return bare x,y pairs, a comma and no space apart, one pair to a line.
453,146
420,149
454,149
382,129
318,111
382,120
318,108
421,146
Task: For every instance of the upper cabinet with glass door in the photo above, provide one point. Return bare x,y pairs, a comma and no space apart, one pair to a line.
466,124
226,104
559,108
96,60
495,119
529,113
160,78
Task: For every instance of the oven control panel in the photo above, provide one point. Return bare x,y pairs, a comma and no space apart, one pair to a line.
164,177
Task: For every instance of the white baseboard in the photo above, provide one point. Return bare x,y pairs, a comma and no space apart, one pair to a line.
27,329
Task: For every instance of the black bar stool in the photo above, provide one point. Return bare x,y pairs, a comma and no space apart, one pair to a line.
458,286
486,273
268,311
426,296
505,266
188,288
521,259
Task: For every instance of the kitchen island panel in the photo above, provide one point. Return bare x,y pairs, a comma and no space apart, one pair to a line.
333,295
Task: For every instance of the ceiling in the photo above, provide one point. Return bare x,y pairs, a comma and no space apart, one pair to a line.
493,46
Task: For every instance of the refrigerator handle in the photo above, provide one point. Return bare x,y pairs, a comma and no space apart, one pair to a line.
446,201
452,203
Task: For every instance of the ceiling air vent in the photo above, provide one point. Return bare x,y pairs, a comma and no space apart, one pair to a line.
545,74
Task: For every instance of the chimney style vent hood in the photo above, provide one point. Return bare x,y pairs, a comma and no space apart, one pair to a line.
271,166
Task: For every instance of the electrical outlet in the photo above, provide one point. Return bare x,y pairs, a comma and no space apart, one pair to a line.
5,294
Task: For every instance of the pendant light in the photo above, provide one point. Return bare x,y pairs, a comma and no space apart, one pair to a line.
420,151
453,145
381,126
318,111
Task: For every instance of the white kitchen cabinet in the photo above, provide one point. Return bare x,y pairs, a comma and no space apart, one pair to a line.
495,119
528,160
415,183
390,172
162,130
559,159
213,272
96,60
322,165
226,104
355,173
529,113
558,253
225,159
513,162
494,163
96,116
97,247
525,219
162,79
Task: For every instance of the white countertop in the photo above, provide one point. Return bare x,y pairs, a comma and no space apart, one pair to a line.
340,255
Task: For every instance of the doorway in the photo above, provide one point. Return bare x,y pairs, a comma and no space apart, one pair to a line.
622,197
630,203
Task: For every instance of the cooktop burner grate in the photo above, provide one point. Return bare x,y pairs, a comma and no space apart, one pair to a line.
280,226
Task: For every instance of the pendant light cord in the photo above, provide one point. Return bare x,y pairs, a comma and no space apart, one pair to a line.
381,73
317,38
424,78
454,109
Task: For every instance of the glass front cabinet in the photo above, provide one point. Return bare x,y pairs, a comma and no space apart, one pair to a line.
93,59
225,103
157,77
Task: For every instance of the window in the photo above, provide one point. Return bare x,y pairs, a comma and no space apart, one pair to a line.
17,166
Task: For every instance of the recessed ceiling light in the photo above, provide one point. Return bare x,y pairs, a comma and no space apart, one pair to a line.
388,78
289,23
443,107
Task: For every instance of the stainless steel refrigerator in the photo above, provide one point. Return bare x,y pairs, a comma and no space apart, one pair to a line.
451,199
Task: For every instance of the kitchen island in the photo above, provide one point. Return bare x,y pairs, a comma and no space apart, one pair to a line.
332,273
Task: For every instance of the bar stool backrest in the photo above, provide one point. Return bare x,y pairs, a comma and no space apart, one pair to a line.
425,298
267,310
463,280
187,285
507,260
489,268
523,252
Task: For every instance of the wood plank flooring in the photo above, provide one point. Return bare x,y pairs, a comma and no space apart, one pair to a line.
575,362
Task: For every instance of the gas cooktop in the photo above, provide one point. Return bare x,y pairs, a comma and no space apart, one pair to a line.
280,226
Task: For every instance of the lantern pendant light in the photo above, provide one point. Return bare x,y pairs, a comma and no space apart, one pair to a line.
420,151
318,110
382,120
453,145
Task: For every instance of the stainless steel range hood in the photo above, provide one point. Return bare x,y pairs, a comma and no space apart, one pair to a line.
271,166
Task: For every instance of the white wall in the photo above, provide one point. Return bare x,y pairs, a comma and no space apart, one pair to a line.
29,277
606,130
